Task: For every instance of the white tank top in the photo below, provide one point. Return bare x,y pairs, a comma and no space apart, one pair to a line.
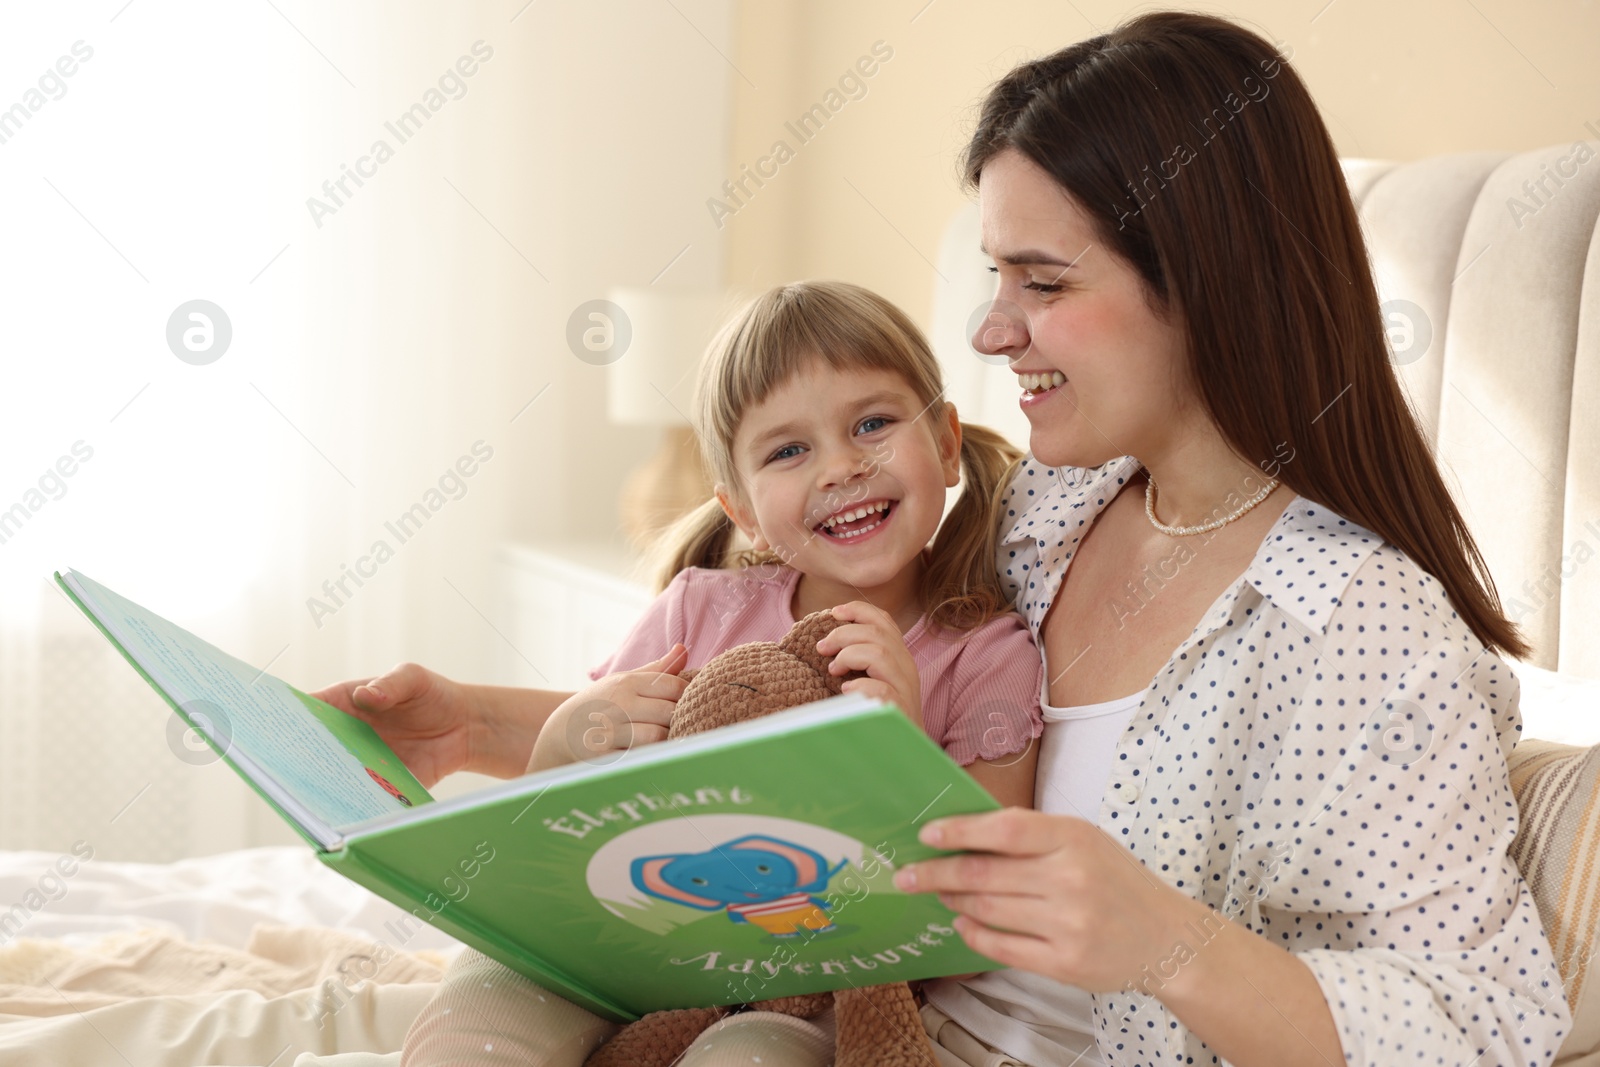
1075,755
1031,1018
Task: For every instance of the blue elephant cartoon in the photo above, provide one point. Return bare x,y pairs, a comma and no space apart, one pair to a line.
758,879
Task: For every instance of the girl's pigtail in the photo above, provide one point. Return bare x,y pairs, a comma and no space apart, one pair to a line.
702,538
965,590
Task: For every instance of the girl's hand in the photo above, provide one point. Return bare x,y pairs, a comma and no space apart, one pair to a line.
871,641
1054,895
427,719
620,711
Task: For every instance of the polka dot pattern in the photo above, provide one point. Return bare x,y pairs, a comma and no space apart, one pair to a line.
1323,761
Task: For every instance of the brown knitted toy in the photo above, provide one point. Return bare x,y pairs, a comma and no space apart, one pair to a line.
877,1026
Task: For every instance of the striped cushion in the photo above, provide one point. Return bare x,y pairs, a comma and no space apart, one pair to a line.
1558,851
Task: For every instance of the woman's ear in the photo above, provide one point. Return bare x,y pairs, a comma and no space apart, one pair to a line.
740,516
950,446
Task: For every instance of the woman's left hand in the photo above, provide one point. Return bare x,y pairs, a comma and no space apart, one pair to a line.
869,640
1053,894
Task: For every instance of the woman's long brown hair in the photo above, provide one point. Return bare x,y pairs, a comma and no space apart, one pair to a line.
1203,162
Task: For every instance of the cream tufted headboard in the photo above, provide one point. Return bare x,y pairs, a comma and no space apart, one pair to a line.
1489,268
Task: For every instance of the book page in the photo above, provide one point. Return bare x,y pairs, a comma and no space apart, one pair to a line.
308,750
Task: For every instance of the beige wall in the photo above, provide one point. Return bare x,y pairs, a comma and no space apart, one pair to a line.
1400,79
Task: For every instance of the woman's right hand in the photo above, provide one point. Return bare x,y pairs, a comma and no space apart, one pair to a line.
427,719
621,711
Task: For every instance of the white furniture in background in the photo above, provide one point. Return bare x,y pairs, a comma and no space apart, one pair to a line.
570,604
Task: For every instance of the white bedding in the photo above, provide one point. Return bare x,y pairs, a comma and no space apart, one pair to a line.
217,899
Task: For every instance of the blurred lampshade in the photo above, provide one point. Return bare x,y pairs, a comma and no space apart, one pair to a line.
652,382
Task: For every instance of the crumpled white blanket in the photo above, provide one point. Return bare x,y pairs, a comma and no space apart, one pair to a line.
104,905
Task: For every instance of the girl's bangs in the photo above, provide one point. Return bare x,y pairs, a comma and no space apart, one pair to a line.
796,331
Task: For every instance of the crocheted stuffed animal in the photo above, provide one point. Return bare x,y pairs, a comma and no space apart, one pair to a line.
877,1026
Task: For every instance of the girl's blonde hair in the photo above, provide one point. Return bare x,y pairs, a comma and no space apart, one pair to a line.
790,329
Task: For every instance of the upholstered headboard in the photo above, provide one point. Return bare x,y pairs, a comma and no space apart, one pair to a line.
1488,265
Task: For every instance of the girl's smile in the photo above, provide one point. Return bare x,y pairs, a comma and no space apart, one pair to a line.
853,523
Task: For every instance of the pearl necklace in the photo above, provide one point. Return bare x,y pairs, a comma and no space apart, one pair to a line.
1189,531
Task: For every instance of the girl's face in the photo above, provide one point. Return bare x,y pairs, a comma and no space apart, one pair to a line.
1100,373
829,445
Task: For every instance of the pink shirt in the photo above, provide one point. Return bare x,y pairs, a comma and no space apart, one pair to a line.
980,688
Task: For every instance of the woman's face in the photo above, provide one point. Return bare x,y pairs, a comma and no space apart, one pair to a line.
1101,375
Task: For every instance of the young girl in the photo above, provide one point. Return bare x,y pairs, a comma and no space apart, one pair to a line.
823,423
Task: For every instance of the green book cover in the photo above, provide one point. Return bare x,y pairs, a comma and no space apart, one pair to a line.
746,863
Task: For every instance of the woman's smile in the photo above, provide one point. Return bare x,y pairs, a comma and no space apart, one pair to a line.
1038,382
1039,388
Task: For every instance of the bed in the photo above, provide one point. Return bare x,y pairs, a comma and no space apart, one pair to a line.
260,956
264,957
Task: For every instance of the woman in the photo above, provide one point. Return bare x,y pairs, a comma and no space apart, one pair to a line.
1274,806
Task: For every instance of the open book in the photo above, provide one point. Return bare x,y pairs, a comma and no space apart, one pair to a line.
745,863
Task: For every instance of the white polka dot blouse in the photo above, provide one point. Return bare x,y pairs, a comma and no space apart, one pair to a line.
1323,760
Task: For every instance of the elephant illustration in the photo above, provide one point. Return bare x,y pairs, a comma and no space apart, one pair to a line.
758,879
